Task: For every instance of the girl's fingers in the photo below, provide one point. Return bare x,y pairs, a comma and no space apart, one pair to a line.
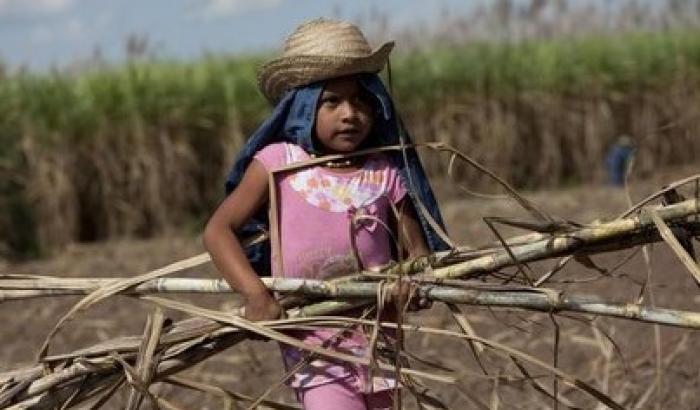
407,292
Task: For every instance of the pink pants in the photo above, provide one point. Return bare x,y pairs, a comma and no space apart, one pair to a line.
341,396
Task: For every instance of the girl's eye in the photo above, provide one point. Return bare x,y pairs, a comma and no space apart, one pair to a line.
362,101
330,100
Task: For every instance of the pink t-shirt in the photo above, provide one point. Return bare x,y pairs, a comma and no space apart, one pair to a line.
316,207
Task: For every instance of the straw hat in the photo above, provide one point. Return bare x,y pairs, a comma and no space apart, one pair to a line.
318,50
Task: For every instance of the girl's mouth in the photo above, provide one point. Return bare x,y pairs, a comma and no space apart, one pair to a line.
348,133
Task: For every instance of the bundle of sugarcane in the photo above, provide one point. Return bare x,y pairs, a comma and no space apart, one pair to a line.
94,373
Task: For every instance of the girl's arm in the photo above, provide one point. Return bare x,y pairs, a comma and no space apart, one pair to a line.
410,230
226,250
414,245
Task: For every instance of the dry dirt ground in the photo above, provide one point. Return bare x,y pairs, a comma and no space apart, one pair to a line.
638,376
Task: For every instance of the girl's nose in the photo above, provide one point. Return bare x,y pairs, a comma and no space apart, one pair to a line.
349,110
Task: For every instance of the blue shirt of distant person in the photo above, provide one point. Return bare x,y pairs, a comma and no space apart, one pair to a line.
618,159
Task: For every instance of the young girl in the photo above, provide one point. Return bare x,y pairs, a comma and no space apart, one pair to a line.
330,219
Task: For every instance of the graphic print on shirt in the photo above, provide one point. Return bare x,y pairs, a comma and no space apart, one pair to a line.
337,193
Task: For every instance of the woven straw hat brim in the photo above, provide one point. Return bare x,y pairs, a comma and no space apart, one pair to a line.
284,73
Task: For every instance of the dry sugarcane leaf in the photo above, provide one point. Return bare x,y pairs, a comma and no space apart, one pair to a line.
476,348
133,379
595,328
261,329
12,388
401,305
374,337
41,389
586,261
51,399
69,401
306,360
519,264
291,372
658,194
183,331
108,393
495,400
425,400
406,355
671,240
682,345
168,405
147,358
537,386
526,204
64,374
196,329
549,226
117,287
509,351
463,188
225,393
145,363
555,358
557,267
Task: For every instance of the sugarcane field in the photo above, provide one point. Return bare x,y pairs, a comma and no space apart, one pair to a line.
464,205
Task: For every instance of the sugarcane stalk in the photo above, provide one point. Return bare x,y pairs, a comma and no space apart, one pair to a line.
615,235
562,244
519,297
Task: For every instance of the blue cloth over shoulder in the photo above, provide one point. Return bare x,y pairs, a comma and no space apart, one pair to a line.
293,120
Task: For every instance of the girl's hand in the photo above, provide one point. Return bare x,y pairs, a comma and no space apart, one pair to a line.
262,306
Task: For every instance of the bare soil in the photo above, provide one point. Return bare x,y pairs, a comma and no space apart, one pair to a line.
656,367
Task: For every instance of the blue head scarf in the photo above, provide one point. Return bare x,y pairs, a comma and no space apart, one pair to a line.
293,120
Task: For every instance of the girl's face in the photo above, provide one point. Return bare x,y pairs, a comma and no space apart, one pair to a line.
344,115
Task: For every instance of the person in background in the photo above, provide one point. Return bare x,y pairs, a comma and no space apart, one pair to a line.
618,159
